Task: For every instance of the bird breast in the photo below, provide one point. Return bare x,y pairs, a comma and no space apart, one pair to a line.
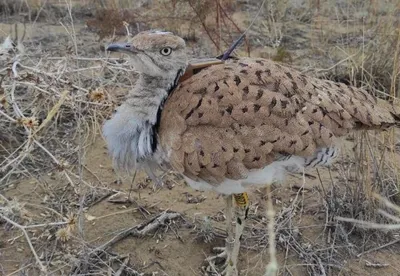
129,138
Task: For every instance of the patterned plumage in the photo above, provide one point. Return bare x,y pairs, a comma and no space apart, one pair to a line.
246,114
233,124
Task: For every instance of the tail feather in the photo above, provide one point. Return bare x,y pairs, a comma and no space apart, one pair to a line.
393,106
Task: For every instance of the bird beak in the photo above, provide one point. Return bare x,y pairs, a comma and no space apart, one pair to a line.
121,47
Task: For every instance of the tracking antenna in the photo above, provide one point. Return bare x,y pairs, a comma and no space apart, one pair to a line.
228,52
196,66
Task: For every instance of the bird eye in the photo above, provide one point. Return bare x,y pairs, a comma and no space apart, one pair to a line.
166,51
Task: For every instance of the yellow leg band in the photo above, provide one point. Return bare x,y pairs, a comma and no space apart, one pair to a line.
242,200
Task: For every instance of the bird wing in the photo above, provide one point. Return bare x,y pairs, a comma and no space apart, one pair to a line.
238,116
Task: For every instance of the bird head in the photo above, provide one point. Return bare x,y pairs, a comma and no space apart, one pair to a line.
155,53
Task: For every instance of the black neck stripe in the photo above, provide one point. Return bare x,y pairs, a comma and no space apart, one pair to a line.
156,126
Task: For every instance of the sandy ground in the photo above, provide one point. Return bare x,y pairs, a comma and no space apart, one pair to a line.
177,249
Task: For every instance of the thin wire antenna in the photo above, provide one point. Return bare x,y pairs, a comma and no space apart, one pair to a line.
228,52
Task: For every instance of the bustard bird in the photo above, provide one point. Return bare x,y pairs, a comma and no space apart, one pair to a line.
233,125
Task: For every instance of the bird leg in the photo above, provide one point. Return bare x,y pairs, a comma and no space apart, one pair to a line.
229,228
242,208
226,252
272,267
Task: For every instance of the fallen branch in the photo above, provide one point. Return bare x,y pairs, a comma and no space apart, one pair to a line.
378,248
122,267
136,231
139,230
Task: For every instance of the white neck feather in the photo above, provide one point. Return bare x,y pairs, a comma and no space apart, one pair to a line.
131,133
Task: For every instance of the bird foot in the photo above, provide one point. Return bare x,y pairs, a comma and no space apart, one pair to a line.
221,255
220,264
158,184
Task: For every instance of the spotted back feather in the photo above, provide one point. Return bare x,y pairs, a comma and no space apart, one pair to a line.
245,114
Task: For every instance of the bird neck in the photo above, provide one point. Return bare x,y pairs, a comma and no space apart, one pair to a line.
132,132
149,94
156,82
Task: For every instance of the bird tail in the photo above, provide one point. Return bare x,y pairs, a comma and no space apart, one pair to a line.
393,106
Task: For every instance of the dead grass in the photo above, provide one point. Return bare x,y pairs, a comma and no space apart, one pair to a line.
52,105
372,62
41,106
